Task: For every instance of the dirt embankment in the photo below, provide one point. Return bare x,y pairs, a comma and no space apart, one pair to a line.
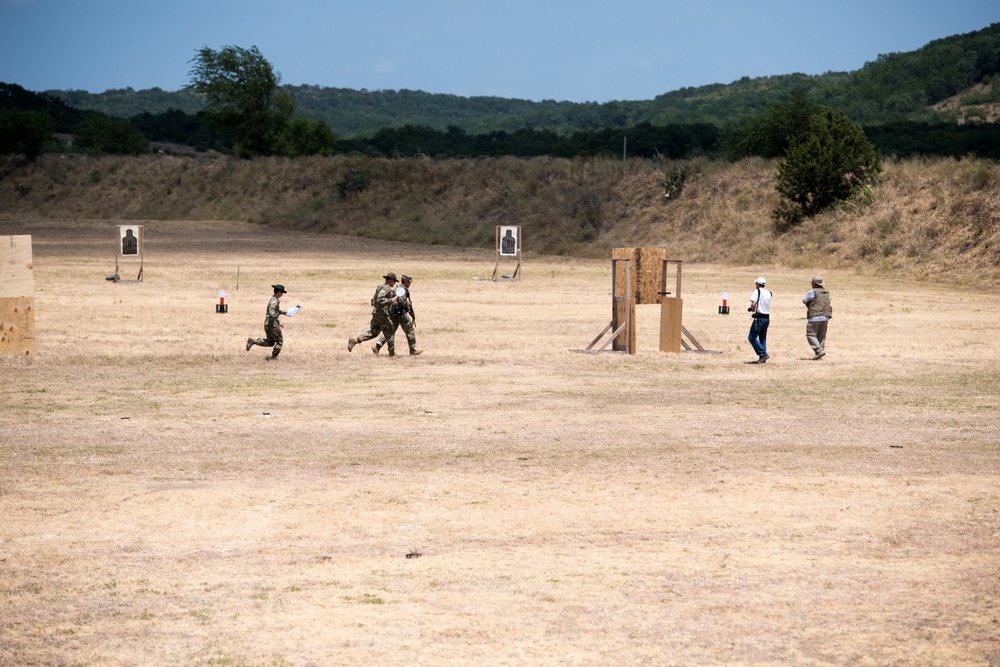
928,219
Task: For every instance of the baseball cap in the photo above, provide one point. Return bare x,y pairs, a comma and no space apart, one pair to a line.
762,281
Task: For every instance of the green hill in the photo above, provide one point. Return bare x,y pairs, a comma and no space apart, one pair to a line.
892,88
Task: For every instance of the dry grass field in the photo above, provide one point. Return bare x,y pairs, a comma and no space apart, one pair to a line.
167,498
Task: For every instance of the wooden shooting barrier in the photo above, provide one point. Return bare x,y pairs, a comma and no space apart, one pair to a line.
639,276
622,325
508,247
17,301
673,334
128,245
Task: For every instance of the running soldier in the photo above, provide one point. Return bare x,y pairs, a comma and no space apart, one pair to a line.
382,302
272,328
402,315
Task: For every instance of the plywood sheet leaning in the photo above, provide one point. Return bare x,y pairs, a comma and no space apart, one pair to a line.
647,272
17,301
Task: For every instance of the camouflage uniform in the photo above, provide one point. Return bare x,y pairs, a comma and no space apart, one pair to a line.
381,318
401,315
272,328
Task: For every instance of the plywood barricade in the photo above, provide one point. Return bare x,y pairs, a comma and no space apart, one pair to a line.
622,325
673,334
639,276
17,300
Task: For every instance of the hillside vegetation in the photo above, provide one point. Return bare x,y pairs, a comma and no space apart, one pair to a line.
929,219
891,88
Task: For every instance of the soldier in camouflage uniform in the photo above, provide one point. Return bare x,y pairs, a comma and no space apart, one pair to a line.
272,328
401,315
382,302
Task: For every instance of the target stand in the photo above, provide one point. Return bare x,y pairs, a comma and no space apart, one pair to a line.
128,245
508,247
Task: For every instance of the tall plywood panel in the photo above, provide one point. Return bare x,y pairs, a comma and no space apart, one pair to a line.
671,329
647,272
17,302
15,266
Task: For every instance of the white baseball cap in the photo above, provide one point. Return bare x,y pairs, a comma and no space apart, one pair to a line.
761,281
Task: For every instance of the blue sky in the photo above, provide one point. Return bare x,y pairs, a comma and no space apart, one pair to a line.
576,50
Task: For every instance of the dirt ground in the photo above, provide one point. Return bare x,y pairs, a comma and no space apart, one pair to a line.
167,498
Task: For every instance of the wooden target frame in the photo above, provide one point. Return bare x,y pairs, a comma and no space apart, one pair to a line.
128,243
508,245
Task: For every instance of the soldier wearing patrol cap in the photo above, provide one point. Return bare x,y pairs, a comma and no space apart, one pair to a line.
401,315
272,328
382,302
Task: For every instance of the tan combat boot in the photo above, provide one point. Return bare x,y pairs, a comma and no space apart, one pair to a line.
351,342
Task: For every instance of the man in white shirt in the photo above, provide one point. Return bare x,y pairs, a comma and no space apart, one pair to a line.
819,310
760,306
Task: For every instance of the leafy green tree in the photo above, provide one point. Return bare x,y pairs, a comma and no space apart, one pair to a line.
827,165
243,96
769,133
25,132
307,137
102,134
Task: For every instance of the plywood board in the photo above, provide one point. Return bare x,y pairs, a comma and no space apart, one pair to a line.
15,266
17,326
647,272
671,311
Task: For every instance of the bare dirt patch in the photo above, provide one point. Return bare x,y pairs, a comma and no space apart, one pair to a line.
169,498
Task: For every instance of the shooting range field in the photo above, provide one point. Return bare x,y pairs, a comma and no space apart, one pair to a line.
167,498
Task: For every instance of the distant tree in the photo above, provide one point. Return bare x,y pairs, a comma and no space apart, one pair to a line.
827,165
769,133
25,132
243,96
102,134
307,137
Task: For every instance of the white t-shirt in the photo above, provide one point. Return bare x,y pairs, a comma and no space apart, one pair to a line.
763,298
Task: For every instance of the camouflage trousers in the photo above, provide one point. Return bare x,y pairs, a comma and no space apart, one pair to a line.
274,338
380,324
409,328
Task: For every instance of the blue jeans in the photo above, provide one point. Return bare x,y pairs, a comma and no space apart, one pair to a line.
758,336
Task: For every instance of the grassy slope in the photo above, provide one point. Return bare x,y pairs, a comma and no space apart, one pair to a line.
928,219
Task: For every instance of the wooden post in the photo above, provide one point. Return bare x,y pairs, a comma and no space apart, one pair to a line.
623,308
671,310
17,301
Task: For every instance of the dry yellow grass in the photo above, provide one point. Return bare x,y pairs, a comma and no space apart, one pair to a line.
168,498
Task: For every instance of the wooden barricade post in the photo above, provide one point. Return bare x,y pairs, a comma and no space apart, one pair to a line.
622,325
17,301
